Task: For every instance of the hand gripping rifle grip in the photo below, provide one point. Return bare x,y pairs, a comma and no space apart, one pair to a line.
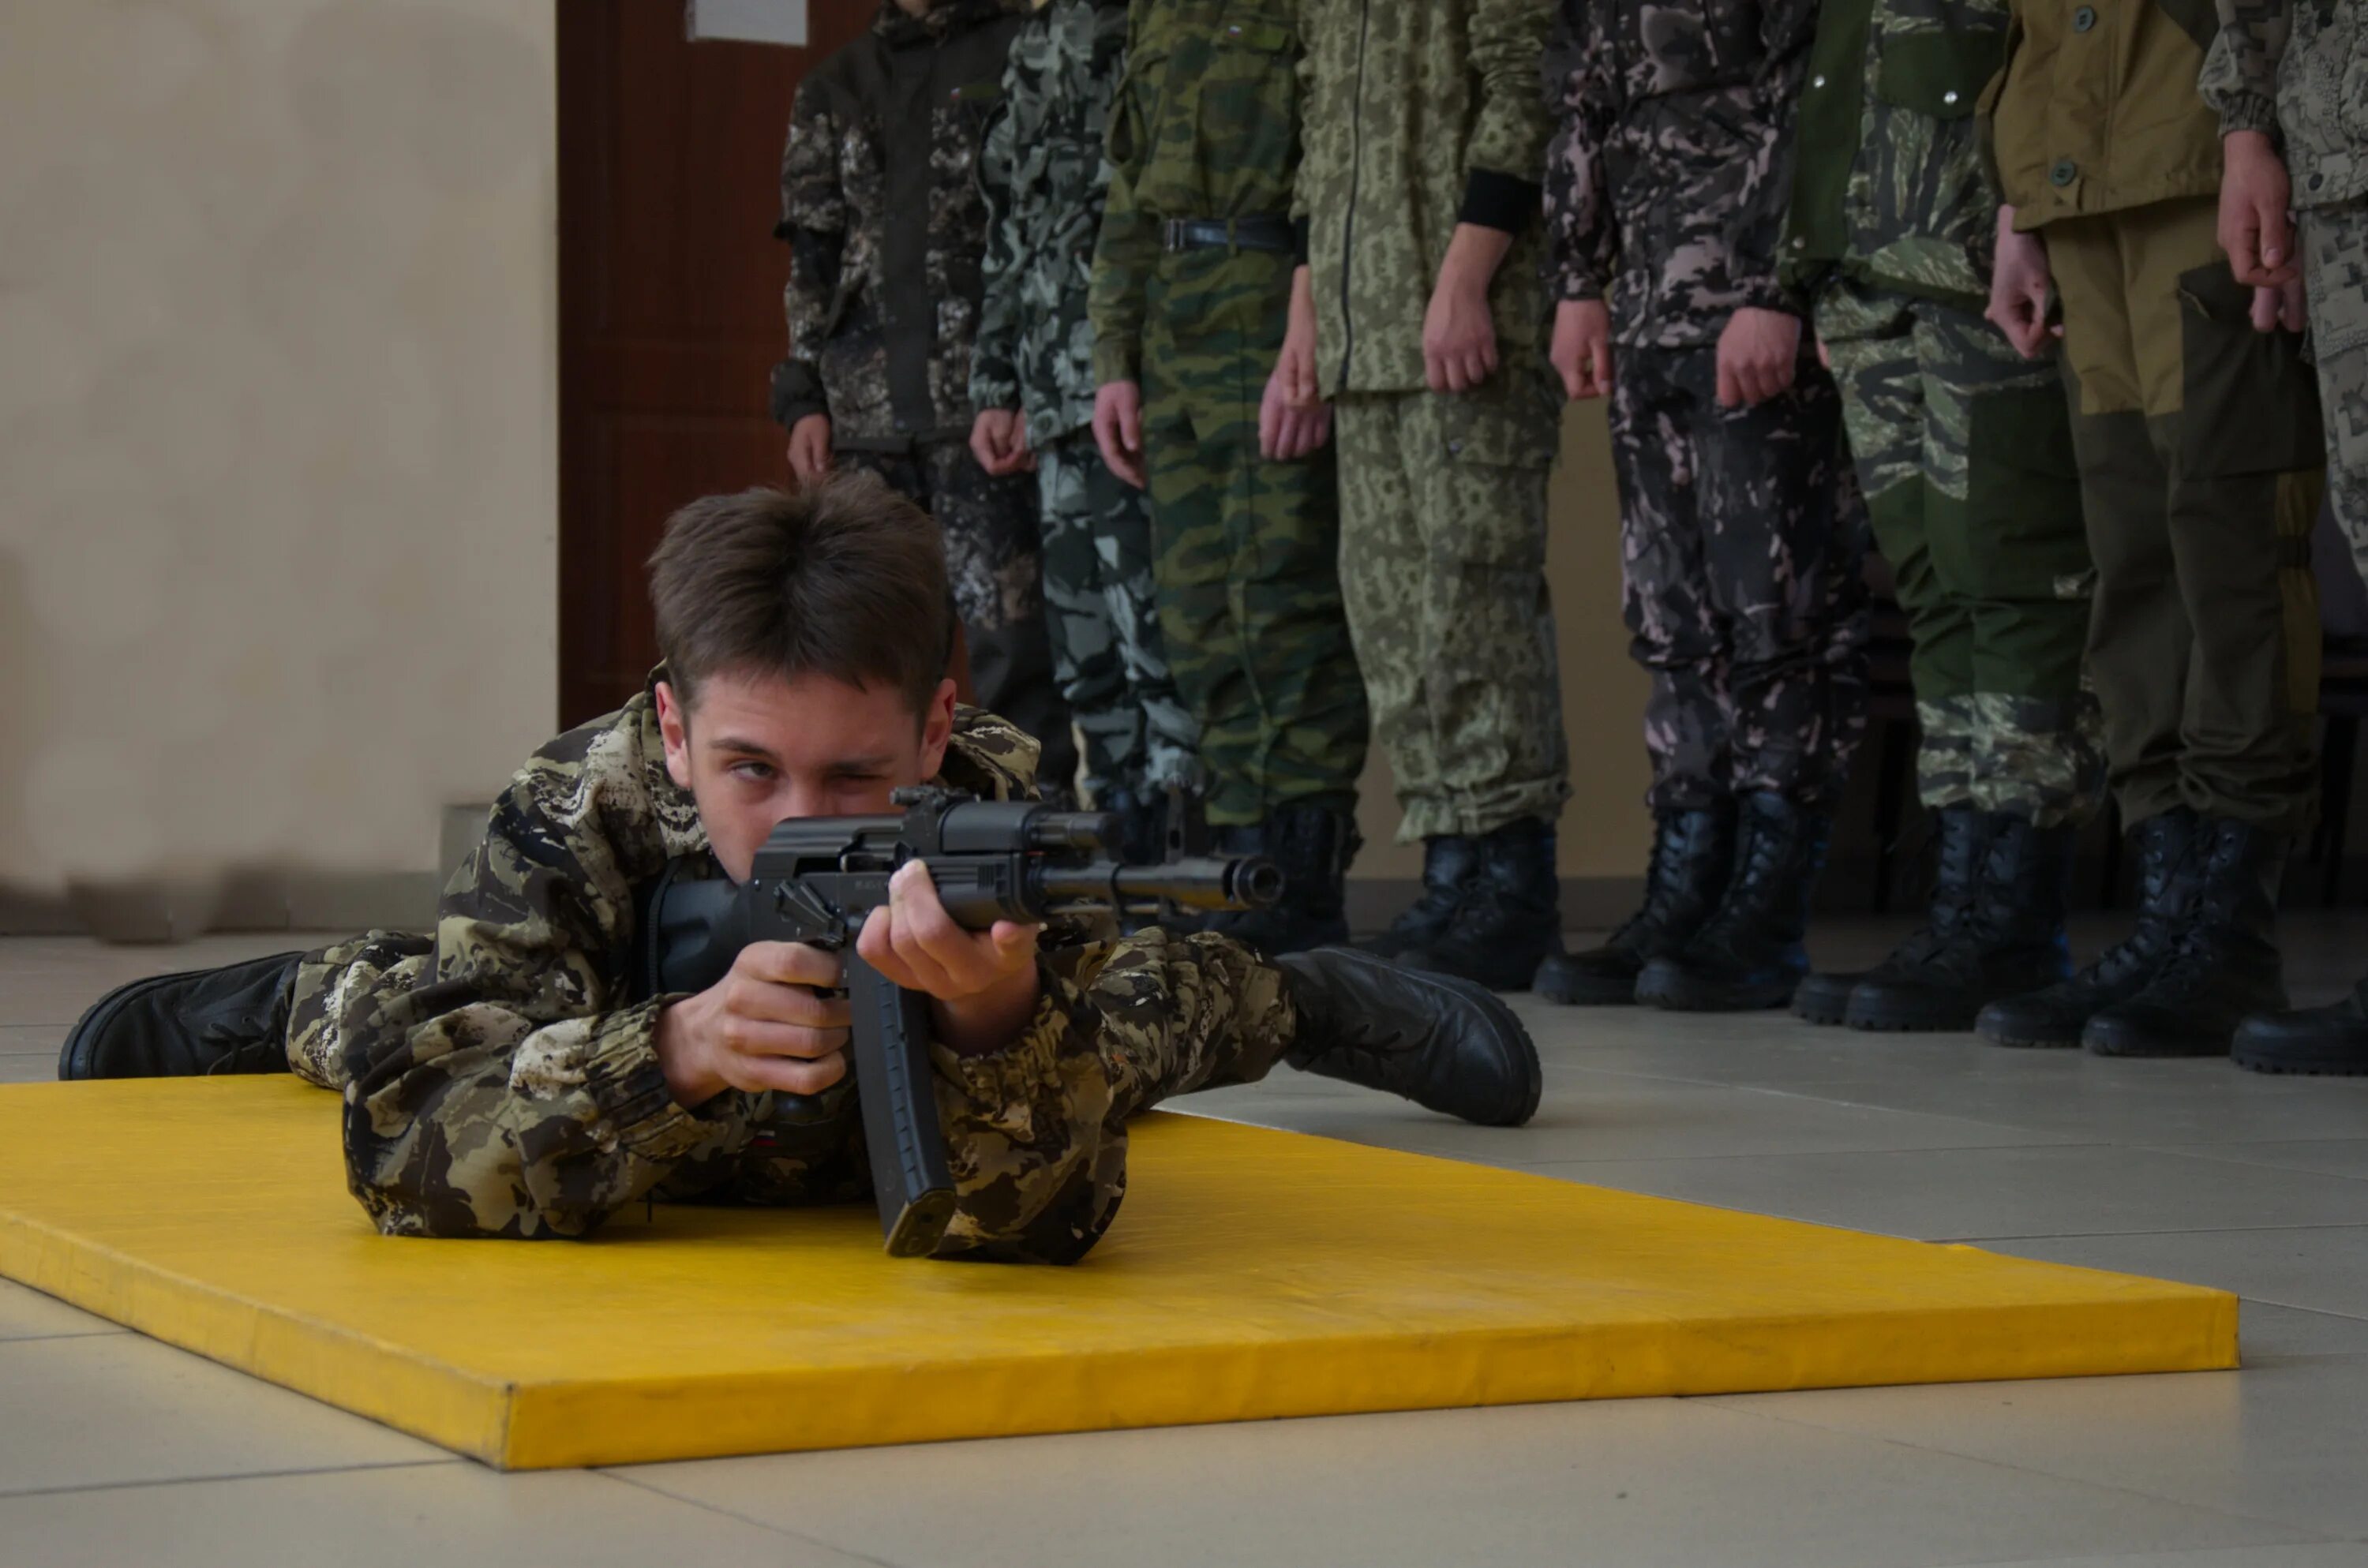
894,1085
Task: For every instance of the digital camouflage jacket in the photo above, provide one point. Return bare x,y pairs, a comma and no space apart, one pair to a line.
1670,169
1418,115
507,1083
880,206
1044,175
1888,183
2299,72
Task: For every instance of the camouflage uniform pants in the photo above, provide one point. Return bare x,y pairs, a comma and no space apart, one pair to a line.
1964,450
995,565
2335,268
1036,1134
2201,467
1101,605
1743,547
1247,550
1442,558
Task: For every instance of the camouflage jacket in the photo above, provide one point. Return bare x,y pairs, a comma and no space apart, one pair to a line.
1044,174
1667,175
2299,72
1206,126
1888,183
1420,114
881,207
513,1089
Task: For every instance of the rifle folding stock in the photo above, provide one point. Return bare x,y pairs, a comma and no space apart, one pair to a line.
817,878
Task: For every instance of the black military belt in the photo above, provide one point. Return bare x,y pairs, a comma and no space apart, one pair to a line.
1243,234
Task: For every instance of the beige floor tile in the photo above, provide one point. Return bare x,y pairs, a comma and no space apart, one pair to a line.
435,1515
117,1408
2323,1271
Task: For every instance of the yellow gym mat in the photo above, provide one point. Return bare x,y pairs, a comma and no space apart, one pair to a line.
1251,1274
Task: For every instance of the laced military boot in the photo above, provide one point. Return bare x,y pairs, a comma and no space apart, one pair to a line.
1311,846
2055,1017
1957,865
201,1021
1450,864
1509,919
2320,1041
1749,955
2007,940
2223,965
1692,853
1443,1042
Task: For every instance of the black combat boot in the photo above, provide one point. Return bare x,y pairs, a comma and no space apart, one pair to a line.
2320,1041
1451,863
2166,884
1509,920
1692,853
1957,871
1748,954
233,1019
1442,1042
2009,942
2224,965
1312,846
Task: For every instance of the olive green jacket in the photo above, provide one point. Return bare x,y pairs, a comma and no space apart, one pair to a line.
2097,109
1419,115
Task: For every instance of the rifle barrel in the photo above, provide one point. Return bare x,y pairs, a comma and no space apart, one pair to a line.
1250,882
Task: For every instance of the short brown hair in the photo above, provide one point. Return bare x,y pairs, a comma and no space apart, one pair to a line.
844,578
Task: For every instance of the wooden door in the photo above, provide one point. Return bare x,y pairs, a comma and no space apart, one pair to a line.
669,301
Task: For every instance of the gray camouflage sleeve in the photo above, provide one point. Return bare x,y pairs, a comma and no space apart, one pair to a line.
1582,230
994,381
813,220
1788,29
2240,72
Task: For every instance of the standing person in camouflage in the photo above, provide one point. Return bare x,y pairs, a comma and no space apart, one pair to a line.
2286,80
1426,138
1964,451
2202,467
1192,306
1742,541
887,232
509,1076
1032,377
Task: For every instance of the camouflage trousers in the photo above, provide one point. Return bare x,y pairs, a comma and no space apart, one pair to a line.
1443,560
2201,464
1247,552
1963,452
1036,1134
2335,269
1101,605
1742,546
994,562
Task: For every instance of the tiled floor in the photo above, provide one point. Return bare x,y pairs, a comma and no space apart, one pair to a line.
114,1449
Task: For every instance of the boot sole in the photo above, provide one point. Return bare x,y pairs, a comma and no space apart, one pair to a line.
1876,1023
1684,999
1605,995
2024,1042
2351,1064
2183,1051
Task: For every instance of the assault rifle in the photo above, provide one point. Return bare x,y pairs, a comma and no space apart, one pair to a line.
817,878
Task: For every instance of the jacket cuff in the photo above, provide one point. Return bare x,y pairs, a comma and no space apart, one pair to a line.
796,392
999,1087
993,387
1493,200
2248,111
1117,359
623,1078
1577,286
1770,294
1302,229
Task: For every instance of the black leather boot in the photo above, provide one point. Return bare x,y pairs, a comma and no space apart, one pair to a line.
1957,865
1444,1044
1510,916
1450,864
2008,942
233,1019
2320,1041
1312,846
1692,853
2224,965
1748,954
2166,886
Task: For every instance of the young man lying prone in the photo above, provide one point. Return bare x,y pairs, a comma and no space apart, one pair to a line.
503,1077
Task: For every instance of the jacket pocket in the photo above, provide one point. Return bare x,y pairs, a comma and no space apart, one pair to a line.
2249,402
1939,73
